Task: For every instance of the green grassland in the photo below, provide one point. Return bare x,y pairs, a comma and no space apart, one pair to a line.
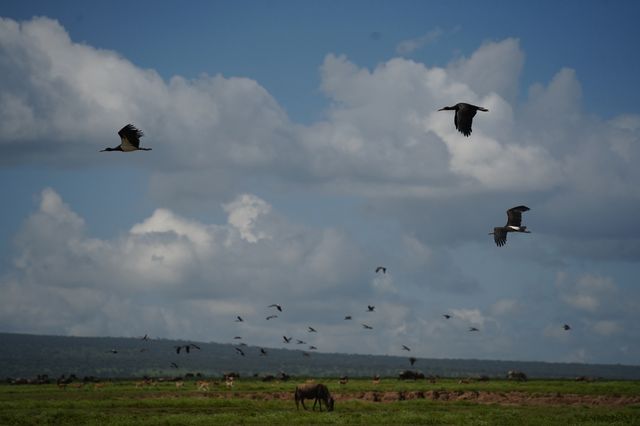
256,402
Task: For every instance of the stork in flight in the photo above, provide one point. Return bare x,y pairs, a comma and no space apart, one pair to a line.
567,327
347,317
514,224
446,316
381,268
271,317
287,339
239,318
367,326
275,305
371,308
406,348
463,116
312,330
129,140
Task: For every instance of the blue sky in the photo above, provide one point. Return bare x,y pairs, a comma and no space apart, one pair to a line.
295,147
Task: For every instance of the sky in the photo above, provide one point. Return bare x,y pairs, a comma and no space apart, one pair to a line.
296,146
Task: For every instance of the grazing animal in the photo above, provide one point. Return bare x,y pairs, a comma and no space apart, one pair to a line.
316,391
406,348
271,317
376,380
129,140
567,327
287,339
348,317
312,330
229,382
516,375
514,222
202,385
381,268
367,326
463,116
275,305
179,384
344,380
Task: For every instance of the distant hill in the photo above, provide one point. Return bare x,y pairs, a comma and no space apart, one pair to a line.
25,355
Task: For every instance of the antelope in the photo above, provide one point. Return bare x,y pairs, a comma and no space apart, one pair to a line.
179,384
317,391
229,382
97,386
202,385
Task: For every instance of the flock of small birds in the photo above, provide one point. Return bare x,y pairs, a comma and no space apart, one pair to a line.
463,119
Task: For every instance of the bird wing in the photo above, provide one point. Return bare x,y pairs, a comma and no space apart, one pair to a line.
500,236
514,215
130,137
464,117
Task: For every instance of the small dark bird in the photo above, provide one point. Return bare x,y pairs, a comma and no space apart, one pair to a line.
174,365
348,317
271,317
381,268
473,329
371,308
566,327
240,351
514,220
239,319
275,305
368,327
263,352
146,337
312,348
238,337
113,351
287,339
464,116
406,348
300,342
312,330
446,316
129,140
412,360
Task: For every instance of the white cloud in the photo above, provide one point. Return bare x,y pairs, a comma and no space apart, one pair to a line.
406,47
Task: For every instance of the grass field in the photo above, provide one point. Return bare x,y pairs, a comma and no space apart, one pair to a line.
497,402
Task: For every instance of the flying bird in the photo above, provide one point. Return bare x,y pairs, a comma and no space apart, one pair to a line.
348,317
263,352
238,337
463,116
514,222
271,317
312,348
368,327
446,316
473,329
287,339
566,327
240,351
406,348
412,360
174,365
381,268
129,140
239,319
275,305
312,330
371,308
300,342
146,337
113,351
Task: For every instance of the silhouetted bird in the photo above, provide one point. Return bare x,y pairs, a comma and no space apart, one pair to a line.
514,220
566,327
406,348
463,116
263,352
238,337
473,329
412,360
275,305
146,337
312,330
368,327
113,351
446,316
370,308
381,268
239,319
300,342
271,317
194,346
348,317
312,348
129,140
174,365
287,339
240,351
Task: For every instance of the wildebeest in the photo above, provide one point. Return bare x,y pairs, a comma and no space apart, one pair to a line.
316,391
516,375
